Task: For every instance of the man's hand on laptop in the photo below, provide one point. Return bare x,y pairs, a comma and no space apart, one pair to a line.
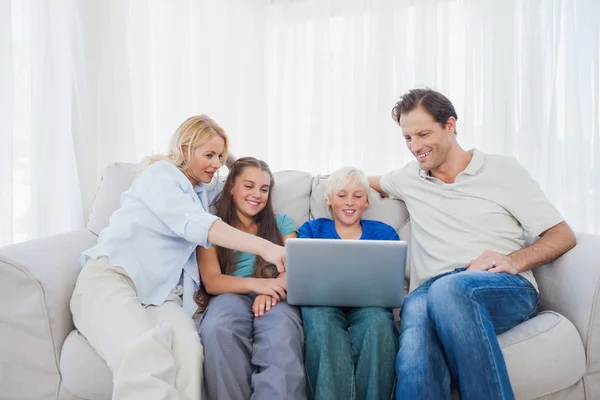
493,262
262,304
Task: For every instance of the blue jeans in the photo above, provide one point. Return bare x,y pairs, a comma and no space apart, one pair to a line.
448,334
349,352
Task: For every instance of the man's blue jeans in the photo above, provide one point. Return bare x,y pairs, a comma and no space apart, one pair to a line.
448,334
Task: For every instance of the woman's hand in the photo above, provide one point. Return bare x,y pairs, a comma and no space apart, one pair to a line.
262,304
275,255
271,287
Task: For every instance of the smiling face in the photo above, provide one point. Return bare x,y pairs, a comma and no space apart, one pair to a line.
251,191
205,160
348,204
429,142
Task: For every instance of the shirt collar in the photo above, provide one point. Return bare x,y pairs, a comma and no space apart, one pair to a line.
476,163
199,188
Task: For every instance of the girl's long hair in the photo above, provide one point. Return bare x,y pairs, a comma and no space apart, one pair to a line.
265,219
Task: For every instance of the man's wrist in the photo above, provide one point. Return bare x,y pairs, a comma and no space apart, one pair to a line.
516,262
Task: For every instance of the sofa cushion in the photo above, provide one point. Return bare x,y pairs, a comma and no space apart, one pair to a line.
84,373
291,195
392,212
543,355
116,178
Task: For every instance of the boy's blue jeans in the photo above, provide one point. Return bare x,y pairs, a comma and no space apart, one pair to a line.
349,352
448,334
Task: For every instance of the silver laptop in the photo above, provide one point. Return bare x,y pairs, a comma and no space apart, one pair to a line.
345,273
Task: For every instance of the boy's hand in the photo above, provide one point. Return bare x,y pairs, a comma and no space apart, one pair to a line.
262,304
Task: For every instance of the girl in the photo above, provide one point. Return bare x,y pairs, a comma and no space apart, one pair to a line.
129,295
350,352
253,340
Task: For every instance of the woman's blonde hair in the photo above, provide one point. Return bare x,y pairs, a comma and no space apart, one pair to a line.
193,132
343,178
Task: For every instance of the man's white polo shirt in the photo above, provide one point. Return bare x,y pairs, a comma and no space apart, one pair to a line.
491,204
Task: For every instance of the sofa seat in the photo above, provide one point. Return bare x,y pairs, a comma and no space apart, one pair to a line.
543,355
84,373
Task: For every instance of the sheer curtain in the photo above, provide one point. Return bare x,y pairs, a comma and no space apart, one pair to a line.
523,74
38,174
303,84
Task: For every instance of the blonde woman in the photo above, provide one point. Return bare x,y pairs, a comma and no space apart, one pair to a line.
133,299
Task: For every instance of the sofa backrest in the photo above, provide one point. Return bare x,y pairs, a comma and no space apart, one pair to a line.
296,193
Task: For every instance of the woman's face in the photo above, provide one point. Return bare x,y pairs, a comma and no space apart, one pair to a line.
250,191
205,160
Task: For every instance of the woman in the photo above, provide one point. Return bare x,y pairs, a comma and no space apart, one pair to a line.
253,339
129,295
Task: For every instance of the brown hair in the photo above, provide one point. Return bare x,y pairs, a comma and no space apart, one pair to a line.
265,219
434,103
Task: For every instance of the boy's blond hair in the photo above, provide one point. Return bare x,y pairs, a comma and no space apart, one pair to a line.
343,178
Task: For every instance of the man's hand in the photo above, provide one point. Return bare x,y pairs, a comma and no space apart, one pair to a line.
493,262
262,304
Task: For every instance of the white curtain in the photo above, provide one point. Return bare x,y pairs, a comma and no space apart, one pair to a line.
38,175
301,84
523,75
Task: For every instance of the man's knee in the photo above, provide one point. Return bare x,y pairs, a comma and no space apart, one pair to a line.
414,311
452,290
450,297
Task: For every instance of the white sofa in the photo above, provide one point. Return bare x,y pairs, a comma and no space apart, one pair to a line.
556,355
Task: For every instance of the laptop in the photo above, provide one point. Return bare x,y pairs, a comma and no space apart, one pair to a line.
345,273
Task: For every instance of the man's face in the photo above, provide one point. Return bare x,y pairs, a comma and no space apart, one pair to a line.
429,142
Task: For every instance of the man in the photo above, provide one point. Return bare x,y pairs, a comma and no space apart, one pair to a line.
471,276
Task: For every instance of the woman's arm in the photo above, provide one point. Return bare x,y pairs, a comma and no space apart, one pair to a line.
215,282
226,236
264,303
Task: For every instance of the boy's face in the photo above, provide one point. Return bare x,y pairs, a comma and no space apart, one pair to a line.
348,205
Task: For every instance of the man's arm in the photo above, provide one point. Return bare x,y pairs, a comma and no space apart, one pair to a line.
552,244
375,183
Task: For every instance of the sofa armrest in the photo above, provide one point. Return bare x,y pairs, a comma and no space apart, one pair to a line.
571,286
37,280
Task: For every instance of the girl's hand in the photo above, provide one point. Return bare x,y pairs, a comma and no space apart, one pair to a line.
262,303
274,254
271,287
